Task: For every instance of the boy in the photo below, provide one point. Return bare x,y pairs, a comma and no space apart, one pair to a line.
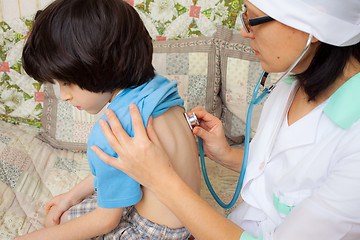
99,51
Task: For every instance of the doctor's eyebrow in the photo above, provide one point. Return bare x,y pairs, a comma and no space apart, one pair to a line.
245,6
249,11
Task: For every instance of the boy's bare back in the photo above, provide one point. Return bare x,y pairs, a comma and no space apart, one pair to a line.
179,142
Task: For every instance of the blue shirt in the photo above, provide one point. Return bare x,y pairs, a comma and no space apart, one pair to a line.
116,189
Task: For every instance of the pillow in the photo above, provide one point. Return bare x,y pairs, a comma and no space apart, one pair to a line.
65,126
199,76
194,64
21,97
240,72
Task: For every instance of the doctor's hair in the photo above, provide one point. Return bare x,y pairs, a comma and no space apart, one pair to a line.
326,66
99,45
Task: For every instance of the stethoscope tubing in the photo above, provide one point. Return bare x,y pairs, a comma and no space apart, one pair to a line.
255,99
236,195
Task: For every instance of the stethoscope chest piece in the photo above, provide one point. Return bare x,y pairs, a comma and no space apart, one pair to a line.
191,120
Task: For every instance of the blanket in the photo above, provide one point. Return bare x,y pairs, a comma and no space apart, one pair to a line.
31,173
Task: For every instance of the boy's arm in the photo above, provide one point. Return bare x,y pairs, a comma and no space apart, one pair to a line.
95,223
83,189
79,192
61,203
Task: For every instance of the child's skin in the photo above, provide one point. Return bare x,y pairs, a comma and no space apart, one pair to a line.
178,142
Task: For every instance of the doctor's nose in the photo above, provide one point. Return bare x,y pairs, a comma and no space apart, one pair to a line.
246,34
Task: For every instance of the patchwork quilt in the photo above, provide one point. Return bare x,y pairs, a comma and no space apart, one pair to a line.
31,173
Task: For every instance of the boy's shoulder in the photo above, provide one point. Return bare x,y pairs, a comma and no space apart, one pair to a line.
152,98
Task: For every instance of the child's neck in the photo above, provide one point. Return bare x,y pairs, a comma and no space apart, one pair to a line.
116,92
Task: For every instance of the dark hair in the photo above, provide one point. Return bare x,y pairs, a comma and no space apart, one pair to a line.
326,66
99,45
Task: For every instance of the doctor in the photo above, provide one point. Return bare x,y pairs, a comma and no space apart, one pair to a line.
303,179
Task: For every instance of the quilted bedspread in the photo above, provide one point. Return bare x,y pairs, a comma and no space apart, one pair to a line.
31,173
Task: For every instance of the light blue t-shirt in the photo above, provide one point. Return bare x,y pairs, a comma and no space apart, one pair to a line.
114,188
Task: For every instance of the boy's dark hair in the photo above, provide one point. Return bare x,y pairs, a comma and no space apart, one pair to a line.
99,45
326,66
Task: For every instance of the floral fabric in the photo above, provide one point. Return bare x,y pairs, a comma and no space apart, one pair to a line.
176,19
21,97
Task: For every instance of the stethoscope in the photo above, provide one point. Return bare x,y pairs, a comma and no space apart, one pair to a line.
193,121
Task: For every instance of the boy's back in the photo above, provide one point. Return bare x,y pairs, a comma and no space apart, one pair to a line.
158,98
179,143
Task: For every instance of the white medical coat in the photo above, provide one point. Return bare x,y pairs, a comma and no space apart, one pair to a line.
303,180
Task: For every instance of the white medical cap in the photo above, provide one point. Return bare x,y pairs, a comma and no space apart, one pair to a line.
336,22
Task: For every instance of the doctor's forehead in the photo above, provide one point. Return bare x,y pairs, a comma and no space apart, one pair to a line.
248,4
252,9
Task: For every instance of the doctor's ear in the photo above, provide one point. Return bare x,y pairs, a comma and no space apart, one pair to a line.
314,40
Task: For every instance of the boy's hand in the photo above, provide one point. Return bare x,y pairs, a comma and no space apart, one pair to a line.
56,207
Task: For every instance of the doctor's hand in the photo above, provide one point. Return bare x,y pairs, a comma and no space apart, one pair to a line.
212,133
141,157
